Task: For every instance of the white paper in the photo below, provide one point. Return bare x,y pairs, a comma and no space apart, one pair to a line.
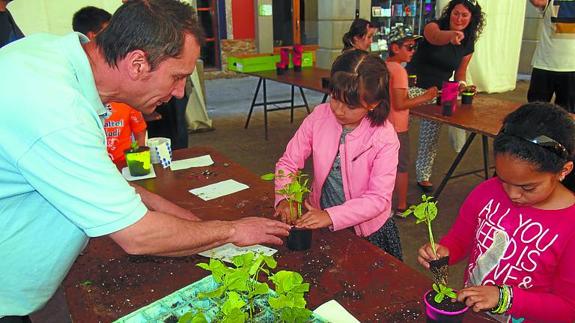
228,251
333,312
201,161
219,189
127,176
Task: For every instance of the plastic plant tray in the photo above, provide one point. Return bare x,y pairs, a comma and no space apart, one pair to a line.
171,307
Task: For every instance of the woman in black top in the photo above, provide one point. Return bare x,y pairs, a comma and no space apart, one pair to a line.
447,48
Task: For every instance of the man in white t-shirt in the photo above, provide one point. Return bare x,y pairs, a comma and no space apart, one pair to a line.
554,58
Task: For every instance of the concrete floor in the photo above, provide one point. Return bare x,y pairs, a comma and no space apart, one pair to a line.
228,102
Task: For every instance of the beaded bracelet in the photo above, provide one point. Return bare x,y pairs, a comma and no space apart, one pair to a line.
505,300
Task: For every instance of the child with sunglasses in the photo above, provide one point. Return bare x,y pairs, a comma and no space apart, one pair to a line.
402,44
354,153
518,229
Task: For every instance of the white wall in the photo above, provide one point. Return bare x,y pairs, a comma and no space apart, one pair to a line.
53,16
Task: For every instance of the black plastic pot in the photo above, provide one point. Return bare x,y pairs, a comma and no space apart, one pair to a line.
447,108
299,239
297,68
438,99
280,70
467,98
444,312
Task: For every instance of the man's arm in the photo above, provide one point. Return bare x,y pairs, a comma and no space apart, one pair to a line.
540,4
165,235
155,202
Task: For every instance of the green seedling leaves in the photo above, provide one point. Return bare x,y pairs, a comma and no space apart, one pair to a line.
193,318
268,177
239,287
443,292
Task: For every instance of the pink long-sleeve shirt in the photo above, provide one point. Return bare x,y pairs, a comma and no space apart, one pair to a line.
368,168
537,257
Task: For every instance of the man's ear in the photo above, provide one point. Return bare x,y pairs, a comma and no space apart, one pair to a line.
137,64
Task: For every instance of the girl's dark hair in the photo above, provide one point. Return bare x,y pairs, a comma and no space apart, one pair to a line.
359,29
157,27
357,75
476,24
531,121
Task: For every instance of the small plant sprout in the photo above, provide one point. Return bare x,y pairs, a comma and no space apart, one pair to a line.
239,291
134,146
469,89
293,191
426,211
442,292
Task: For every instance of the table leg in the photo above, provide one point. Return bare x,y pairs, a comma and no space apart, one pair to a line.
265,112
291,107
485,155
253,103
454,165
304,100
324,98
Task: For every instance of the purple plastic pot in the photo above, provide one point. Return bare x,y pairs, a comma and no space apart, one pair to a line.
436,315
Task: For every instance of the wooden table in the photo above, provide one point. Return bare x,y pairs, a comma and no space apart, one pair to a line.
485,117
307,78
368,282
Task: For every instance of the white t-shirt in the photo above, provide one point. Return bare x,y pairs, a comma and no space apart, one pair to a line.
556,48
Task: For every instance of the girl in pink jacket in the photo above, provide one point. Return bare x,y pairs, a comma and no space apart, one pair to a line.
354,151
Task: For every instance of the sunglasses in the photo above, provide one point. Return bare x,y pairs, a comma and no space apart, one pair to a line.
545,142
472,2
410,48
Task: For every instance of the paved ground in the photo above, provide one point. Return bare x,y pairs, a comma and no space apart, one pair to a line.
228,102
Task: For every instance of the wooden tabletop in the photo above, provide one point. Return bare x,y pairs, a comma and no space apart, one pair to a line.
370,284
308,77
485,116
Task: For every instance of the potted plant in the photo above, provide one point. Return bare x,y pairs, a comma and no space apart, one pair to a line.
293,191
138,159
243,296
439,306
467,94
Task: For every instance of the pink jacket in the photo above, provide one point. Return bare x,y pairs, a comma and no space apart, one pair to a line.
368,167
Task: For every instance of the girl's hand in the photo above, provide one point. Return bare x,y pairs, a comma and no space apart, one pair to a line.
479,298
431,93
426,254
456,37
314,218
282,211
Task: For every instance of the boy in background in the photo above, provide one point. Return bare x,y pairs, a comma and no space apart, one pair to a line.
402,45
123,124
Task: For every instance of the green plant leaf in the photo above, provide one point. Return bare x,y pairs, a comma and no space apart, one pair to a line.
270,262
237,280
439,297
233,301
268,177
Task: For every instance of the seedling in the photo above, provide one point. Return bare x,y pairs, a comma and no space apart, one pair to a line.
443,292
239,288
293,191
426,211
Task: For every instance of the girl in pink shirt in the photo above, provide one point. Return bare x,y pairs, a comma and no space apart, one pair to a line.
354,151
518,229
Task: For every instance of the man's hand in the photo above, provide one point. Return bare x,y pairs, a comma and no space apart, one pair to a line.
479,297
426,254
282,210
314,218
456,37
254,230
